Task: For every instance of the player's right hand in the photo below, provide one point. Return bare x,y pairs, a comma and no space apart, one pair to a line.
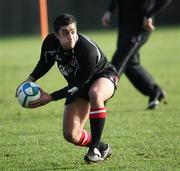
148,24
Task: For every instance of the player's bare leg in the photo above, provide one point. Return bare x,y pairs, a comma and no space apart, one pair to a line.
75,116
101,90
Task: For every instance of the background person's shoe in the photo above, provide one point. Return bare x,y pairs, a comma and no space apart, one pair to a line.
156,98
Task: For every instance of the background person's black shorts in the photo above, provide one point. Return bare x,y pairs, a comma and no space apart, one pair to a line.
109,73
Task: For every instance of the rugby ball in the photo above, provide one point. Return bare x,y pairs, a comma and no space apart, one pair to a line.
28,92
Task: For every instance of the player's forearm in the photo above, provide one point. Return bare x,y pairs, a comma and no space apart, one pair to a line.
59,94
156,6
67,91
42,67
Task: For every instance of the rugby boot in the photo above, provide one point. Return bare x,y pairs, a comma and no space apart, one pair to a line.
93,156
106,152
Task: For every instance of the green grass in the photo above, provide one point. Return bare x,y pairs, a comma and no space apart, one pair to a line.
141,140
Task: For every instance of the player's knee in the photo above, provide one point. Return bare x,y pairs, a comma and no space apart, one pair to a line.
71,137
95,96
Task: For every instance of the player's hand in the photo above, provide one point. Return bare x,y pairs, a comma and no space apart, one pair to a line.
44,99
148,24
106,19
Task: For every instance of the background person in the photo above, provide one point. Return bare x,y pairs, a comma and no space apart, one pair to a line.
135,24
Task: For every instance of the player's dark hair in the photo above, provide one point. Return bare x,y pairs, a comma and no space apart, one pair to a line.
63,20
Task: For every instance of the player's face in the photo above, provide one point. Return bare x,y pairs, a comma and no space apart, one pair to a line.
68,36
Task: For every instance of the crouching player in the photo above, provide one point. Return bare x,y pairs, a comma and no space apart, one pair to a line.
91,79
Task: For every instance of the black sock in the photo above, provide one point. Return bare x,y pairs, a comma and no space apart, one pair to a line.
97,121
97,126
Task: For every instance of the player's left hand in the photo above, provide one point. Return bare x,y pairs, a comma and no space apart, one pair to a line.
44,99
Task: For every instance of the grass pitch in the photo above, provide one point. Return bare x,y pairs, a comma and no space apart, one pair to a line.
141,140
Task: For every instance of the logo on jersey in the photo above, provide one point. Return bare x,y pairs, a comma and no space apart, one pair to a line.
70,68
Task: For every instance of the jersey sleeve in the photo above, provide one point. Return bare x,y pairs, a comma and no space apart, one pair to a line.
155,6
45,62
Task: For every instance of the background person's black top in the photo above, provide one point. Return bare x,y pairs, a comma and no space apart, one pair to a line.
132,12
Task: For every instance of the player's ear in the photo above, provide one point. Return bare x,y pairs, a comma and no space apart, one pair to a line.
57,35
